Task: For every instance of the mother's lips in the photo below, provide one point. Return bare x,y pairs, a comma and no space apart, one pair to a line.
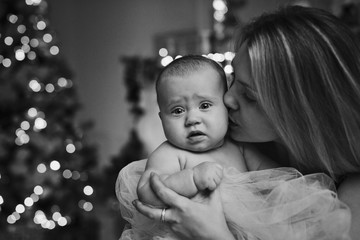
232,123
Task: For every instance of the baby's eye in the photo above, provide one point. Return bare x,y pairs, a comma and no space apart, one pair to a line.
205,105
177,111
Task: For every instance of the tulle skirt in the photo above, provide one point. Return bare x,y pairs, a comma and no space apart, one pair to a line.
271,204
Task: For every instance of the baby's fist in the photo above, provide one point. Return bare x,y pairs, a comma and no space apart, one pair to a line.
208,175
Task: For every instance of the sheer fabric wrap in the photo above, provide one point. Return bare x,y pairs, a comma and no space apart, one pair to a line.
271,204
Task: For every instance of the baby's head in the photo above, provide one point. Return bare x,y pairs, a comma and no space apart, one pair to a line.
190,93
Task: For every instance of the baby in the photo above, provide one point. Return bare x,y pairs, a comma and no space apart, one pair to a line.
190,93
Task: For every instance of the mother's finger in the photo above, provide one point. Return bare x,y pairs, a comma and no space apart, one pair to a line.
153,213
165,194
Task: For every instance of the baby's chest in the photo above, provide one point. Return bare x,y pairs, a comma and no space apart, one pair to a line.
190,160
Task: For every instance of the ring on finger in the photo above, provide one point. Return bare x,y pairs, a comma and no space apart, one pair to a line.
162,218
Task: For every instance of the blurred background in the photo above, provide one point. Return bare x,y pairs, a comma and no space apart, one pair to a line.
77,100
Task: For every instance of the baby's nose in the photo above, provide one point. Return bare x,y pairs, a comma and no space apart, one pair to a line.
192,118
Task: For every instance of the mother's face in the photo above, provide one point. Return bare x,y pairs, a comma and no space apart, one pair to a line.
248,122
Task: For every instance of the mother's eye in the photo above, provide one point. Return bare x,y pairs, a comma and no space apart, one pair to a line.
230,80
250,96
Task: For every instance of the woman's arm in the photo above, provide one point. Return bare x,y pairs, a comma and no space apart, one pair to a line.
349,193
200,218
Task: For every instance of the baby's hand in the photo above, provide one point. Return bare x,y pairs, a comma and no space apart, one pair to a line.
207,175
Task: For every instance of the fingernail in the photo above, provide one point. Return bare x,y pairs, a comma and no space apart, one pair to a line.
152,174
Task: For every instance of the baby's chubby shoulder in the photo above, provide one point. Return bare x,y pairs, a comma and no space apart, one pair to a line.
231,146
165,148
165,153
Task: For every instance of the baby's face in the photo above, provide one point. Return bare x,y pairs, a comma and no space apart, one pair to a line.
192,110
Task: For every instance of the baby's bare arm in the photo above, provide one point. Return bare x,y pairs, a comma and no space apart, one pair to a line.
181,182
187,182
164,162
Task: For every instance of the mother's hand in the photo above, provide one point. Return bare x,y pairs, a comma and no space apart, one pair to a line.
201,217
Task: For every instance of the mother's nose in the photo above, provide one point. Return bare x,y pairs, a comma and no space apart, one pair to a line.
230,100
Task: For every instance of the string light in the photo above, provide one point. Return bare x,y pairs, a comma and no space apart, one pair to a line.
6,62
228,69
166,60
28,202
35,85
32,112
88,190
54,50
20,54
8,41
41,168
25,40
62,221
34,42
20,208
56,216
31,55
41,25
163,52
21,28
62,82
13,18
32,2
39,124
75,175
34,197
25,48
55,165
47,37
11,219
67,174
70,148
38,190
88,206
49,88
25,125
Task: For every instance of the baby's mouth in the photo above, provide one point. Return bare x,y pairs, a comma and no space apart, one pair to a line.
195,134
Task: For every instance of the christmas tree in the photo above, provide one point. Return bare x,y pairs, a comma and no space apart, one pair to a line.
46,162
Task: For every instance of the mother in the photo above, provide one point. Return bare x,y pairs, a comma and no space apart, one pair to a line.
296,83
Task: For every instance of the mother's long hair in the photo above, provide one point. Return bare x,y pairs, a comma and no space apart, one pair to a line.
306,68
